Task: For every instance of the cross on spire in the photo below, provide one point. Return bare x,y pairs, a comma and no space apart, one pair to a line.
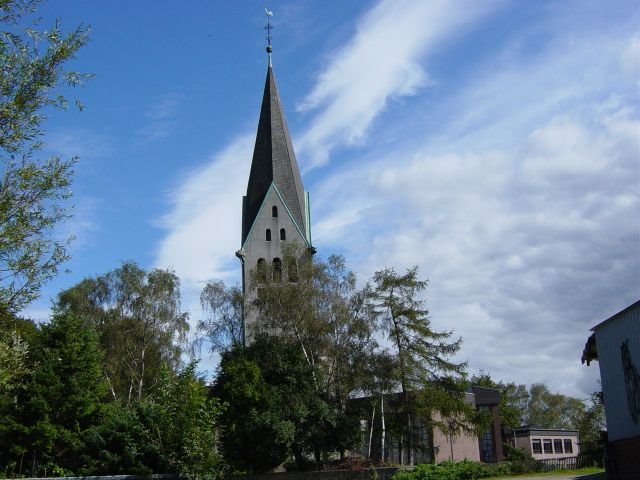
268,28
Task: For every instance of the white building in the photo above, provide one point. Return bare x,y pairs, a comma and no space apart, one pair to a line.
615,343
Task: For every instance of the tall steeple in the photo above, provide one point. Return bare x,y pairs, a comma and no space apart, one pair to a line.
275,210
274,161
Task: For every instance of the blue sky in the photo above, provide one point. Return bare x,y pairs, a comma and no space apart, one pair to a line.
495,144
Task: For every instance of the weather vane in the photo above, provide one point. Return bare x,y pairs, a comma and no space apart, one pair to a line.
268,28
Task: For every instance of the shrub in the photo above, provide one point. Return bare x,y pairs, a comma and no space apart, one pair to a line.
464,470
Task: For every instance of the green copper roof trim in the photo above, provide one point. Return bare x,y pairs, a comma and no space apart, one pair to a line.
295,224
307,211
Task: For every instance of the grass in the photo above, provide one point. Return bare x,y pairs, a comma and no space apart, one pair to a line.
575,472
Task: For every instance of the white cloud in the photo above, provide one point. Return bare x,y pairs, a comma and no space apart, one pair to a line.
162,117
381,61
517,195
203,225
82,227
83,143
522,209
165,106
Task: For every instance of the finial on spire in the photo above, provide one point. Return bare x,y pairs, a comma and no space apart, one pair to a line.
268,28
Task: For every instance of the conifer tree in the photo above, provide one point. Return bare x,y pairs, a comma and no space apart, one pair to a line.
428,378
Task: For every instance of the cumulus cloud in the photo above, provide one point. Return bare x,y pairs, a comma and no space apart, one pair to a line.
516,194
521,206
524,251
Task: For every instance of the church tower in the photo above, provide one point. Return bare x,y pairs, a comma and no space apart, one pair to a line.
275,209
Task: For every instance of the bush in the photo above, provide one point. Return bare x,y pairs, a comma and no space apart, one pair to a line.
464,470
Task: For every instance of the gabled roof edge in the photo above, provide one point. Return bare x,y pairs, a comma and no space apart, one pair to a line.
295,223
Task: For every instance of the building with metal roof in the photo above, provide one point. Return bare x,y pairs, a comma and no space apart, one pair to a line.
615,343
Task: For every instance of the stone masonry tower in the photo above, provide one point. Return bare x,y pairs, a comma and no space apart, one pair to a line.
275,209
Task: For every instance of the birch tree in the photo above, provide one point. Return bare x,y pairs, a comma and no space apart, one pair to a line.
222,325
140,321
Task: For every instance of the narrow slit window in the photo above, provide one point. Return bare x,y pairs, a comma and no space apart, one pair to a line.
277,270
283,234
274,211
267,235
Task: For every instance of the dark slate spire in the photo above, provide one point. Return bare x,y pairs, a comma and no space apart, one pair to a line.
273,161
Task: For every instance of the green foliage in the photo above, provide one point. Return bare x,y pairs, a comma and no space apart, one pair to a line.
327,317
122,443
464,470
223,326
422,352
33,192
513,399
13,361
187,420
429,381
174,433
591,426
553,410
60,402
273,408
140,321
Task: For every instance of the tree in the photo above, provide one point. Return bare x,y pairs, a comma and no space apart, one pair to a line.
140,321
381,373
288,307
324,313
321,310
223,306
33,192
273,408
513,399
428,379
187,422
591,426
553,410
175,432
62,400
13,362
350,343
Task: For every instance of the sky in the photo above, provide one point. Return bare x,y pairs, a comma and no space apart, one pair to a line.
494,144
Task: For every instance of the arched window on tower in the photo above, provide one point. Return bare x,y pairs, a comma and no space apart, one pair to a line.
267,235
283,234
292,269
261,271
274,211
277,270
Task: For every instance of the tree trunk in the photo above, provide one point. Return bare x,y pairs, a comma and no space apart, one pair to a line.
113,392
141,379
373,416
383,433
409,440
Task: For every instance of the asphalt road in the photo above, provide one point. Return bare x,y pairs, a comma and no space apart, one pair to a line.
592,476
